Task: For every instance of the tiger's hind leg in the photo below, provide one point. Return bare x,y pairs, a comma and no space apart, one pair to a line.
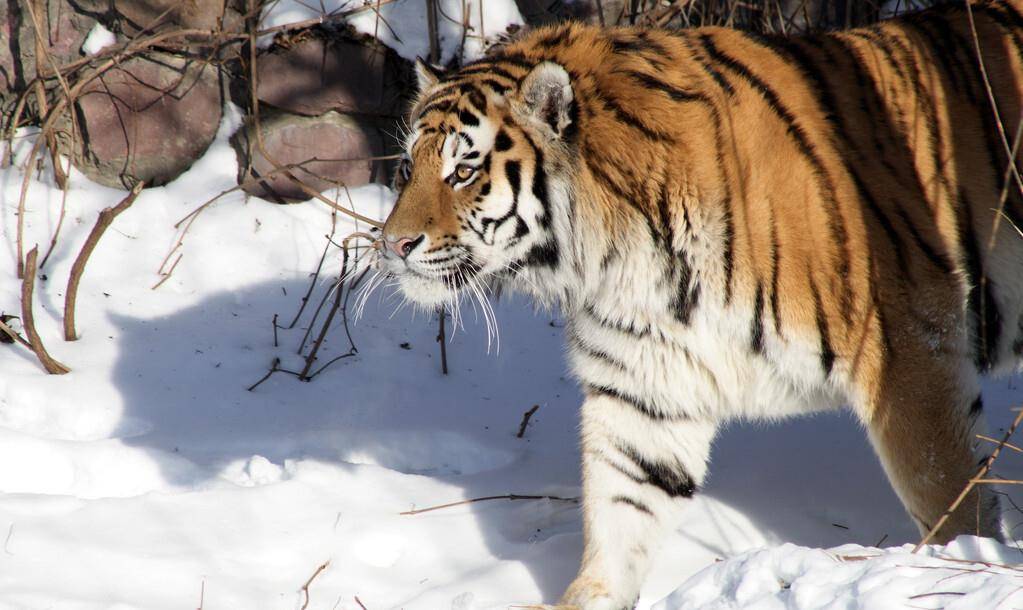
638,474
923,420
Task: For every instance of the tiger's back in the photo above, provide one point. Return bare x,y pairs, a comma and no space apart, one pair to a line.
739,226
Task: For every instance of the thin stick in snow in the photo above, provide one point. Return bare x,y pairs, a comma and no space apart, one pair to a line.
167,275
106,217
52,366
443,342
305,587
525,421
485,499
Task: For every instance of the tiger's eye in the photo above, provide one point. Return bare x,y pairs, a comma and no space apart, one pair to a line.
464,172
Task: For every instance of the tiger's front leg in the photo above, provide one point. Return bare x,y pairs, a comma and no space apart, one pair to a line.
638,471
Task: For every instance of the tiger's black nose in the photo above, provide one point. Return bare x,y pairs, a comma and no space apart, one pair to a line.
404,245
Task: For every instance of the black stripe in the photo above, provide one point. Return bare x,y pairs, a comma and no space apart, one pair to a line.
556,38
596,353
543,255
976,406
643,508
678,270
502,142
775,268
675,93
539,186
513,170
497,87
729,250
477,100
827,353
756,335
603,457
639,45
633,401
985,322
631,120
629,329
468,118
671,479
443,106
494,67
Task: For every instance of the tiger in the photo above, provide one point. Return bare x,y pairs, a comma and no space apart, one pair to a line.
737,227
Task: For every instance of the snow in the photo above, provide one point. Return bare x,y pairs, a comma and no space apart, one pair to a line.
150,478
967,574
98,38
402,24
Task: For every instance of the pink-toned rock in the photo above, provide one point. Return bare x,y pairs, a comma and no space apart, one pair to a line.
312,76
199,14
65,31
342,142
132,16
149,119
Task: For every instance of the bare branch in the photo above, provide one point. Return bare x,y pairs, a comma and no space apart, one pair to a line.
52,366
106,217
305,587
525,421
487,498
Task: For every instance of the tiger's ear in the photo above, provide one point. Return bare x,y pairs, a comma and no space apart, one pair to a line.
547,93
426,75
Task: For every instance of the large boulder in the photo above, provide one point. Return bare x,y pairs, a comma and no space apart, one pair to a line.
311,74
342,146
148,119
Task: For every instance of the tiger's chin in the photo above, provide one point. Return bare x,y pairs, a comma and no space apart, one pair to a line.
428,293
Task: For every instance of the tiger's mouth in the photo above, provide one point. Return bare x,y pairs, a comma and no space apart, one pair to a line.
429,283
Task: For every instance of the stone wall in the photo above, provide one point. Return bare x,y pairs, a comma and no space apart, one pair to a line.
329,100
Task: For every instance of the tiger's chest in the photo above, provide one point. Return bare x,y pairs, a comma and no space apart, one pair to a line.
702,369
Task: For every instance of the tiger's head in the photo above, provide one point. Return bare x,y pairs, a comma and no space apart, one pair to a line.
483,179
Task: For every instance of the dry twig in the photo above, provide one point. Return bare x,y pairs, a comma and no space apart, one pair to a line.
443,342
485,499
525,421
52,366
305,587
106,217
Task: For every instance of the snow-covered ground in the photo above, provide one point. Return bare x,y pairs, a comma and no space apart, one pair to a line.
150,478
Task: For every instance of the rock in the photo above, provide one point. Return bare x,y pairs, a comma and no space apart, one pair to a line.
149,119
65,29
132,16
199,14
344,142
311,76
